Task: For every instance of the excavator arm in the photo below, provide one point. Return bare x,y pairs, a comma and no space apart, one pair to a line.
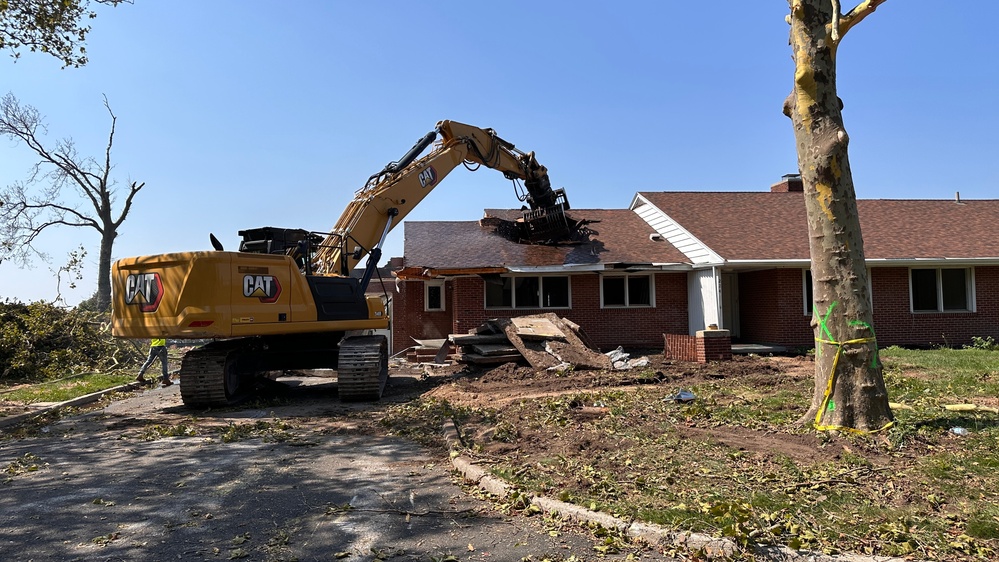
389,195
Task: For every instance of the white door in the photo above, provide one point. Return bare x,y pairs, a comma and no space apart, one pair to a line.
730,303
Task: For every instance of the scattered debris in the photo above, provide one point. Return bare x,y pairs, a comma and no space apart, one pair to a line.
545,341
620,360
683,395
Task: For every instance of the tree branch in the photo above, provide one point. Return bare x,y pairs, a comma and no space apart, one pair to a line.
107,152
133,190
80,177
834,28
84,219
857,14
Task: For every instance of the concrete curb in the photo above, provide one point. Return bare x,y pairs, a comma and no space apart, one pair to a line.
78,401
711,547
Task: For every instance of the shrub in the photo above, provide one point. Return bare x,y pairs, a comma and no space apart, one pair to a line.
988,343
41,341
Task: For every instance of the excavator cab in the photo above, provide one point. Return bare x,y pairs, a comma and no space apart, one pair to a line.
298,243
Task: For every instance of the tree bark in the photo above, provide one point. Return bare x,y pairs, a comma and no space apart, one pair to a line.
104,270
850,393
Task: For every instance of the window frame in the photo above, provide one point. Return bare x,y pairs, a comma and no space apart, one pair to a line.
427,284
969,288
541,293
627,297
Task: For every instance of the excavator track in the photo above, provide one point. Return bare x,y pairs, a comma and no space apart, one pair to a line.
363,368
205,379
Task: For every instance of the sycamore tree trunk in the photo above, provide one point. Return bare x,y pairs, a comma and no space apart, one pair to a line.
850,392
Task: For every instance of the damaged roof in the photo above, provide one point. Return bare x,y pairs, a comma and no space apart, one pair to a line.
609,238
771,226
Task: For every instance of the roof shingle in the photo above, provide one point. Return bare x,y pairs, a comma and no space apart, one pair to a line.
771,226
616,236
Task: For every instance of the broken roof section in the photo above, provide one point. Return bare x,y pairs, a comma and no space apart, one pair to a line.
765,226
607,239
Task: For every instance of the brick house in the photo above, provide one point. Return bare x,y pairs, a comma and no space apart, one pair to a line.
933,264
621,282
678,262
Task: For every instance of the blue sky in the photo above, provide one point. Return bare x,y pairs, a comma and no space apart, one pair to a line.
240,114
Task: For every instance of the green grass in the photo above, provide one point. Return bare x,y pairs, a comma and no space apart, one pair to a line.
66,389
953,375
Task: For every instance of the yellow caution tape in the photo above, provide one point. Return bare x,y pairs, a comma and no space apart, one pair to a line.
829,388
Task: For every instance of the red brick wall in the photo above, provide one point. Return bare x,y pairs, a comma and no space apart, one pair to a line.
771,311
680,347
896,325
706,346
771,308
607,328
714,346
409,318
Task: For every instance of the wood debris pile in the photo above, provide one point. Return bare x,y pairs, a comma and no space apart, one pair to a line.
545,341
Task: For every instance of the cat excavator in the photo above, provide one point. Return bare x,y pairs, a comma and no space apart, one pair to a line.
286,299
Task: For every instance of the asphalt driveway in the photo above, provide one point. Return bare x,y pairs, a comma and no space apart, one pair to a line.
140,479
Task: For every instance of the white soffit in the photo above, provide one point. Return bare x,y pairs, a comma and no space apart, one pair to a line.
696,251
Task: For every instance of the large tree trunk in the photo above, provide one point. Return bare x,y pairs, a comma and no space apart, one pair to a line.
849,388
104,270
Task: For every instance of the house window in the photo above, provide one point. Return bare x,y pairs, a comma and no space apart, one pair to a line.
807,284
626,290
433,295
527,292
941,290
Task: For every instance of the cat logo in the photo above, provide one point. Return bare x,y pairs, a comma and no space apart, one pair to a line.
264,287
144,290
428,177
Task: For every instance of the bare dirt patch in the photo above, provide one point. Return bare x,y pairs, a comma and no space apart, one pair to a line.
500,387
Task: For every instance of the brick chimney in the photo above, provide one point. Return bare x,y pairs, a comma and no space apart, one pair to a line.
788,183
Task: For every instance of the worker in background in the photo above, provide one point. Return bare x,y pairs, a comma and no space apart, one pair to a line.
157,349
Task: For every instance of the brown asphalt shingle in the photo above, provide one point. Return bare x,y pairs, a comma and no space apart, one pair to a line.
771,226
617,236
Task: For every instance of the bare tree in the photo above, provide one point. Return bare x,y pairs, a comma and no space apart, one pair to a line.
850,392
50,26
62,189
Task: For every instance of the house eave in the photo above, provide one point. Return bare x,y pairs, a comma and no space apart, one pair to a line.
871,262
423,273
570,268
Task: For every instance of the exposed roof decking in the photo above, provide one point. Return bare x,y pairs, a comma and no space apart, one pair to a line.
620,237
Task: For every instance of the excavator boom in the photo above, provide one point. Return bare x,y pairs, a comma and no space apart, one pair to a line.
286,299
392,193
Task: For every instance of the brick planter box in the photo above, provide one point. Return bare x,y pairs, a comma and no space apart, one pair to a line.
707,345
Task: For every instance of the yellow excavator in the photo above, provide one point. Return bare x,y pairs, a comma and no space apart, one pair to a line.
286,299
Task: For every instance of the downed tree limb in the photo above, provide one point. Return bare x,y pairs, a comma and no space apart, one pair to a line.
970,408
